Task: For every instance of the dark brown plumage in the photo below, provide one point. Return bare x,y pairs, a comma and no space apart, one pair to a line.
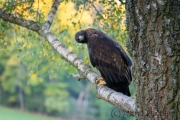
109,58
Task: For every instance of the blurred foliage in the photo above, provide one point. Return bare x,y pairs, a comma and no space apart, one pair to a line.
32,74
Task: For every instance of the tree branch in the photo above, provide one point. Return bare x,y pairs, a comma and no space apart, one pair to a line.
19,21
123,102
51,14
30,6
96,9
78,76
123,1
118,99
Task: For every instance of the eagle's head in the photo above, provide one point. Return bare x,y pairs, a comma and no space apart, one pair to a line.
80,37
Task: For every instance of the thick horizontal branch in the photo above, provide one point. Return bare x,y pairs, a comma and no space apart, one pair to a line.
123,102
19,21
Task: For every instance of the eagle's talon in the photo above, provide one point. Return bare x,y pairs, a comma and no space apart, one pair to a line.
100,81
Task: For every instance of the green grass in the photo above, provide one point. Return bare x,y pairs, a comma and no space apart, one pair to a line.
16,114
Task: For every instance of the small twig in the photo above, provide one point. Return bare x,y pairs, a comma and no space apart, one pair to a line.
78,76
122,1
96,9
81,16
37,13
30,6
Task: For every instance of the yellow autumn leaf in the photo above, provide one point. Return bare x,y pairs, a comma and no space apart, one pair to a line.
5,43
13,40
45,54
33,74
52,58
64,38
87,62
69,41
124,47
70,48
30,45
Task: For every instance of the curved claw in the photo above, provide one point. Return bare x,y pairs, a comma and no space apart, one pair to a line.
100,81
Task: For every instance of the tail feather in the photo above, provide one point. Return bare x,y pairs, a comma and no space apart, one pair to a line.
115,81
123,89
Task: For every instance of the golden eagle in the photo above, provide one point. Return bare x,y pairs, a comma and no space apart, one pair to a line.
109,58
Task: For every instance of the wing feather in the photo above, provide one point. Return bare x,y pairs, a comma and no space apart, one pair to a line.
111,60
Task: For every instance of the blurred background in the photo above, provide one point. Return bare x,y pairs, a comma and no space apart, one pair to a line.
35,82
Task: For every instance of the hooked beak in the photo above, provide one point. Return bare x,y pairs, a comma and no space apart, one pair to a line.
81,38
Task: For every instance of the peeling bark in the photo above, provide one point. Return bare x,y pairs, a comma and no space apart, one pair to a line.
154,44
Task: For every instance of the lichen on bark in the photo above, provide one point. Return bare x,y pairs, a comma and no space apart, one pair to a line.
154,32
